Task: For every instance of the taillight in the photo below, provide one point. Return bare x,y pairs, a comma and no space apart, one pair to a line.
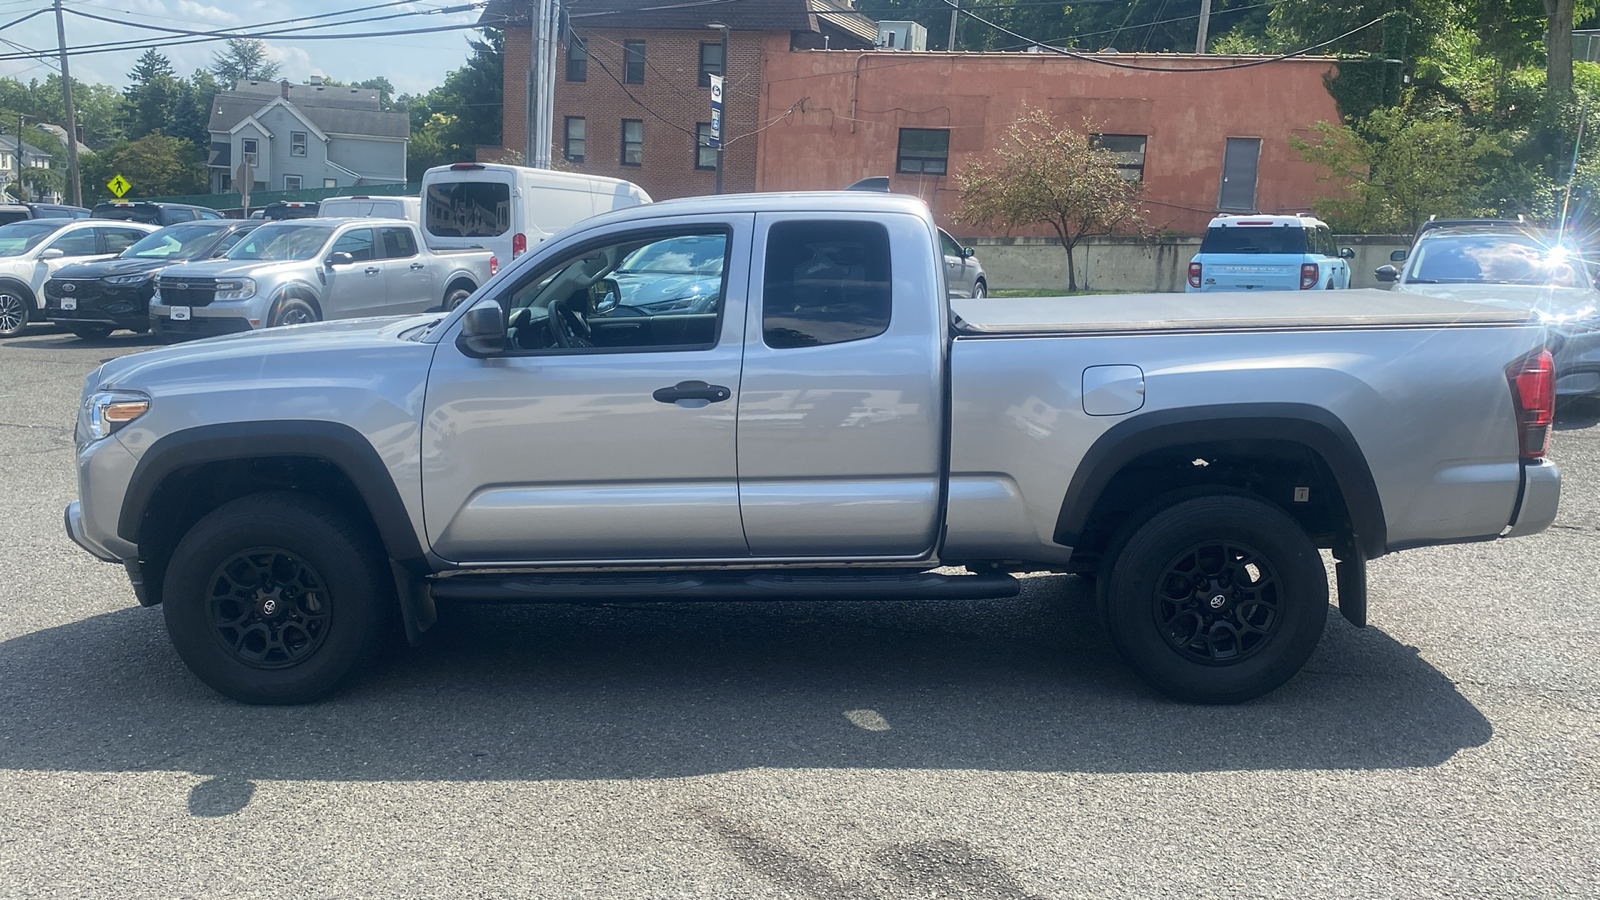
1309,276
494,264
519,244
1194,274
1533,396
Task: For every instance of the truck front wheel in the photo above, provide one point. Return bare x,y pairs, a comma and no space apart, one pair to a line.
275,598
1217,599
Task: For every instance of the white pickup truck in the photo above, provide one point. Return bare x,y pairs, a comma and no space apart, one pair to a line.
770,396
296,271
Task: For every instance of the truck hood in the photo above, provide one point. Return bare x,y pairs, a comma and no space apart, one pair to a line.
323,349
107,268
1552,305
237,268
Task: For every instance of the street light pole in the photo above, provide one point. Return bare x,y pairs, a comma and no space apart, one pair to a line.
72,120
722,139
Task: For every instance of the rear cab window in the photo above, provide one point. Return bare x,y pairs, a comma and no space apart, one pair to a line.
469,209
825,283
1264,239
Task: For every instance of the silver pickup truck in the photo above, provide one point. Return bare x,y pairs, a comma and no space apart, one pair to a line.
296,271
822,425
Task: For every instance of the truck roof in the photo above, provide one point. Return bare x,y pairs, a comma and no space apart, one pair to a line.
334,221
799,201
1297,221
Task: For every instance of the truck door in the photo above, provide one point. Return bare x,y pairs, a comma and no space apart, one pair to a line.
841,407
406,275
606,430
355,288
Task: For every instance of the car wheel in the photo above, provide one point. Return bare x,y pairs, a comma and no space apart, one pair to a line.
13,312
276,598
1216,599
455,298
91,332
292,311
980,291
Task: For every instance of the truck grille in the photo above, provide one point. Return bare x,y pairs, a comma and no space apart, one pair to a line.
86,290
187,291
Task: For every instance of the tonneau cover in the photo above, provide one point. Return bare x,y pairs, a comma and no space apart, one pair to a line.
1221,311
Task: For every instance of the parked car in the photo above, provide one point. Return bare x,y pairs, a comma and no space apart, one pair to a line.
1512,264
507,209
152,212
823,429
21,212
1269,253
307,270
93,299
291,209
31,251
963,274
364,207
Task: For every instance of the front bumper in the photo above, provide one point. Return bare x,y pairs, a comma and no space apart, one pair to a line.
162,323
73,516
1541,498
119,307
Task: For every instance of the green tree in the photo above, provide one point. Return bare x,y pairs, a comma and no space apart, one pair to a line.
1044,174
157,165
244,59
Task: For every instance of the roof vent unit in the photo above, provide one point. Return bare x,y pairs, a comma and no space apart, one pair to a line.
902,36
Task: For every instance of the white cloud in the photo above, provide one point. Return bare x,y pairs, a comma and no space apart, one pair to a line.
190,9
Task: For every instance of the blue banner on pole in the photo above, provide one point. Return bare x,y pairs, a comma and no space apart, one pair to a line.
716,111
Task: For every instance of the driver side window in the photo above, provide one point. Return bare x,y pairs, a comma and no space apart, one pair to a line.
642,292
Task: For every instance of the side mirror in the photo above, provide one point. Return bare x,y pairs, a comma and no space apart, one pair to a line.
1398,255
1346,253
340,259
483,330
968,253
1386,274
52,253
604,296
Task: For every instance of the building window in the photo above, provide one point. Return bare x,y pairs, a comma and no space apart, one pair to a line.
291,182
711,62
1129,150
574,146
705,155
633,62
924,151
1239,160
577,59
247,147
297,143
330,182
632,142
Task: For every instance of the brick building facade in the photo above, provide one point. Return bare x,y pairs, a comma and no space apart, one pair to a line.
631,101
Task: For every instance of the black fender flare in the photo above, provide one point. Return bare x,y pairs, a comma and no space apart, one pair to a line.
298,289
1311,426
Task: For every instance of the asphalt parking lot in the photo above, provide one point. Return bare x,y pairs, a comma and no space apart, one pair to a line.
939,750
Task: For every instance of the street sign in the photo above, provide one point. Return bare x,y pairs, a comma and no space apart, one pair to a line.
118,185
716,111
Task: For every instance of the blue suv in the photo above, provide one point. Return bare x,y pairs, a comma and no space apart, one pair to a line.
1269,253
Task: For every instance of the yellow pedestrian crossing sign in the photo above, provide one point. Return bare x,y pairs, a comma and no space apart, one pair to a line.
118,185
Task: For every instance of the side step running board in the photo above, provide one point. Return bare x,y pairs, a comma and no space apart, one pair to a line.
764,586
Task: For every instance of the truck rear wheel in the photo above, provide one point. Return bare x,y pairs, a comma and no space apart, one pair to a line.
1217,599
275,598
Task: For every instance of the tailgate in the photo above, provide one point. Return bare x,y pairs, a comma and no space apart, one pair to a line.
1249,272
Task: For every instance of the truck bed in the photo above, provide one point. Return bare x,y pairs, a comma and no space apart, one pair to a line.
1221,311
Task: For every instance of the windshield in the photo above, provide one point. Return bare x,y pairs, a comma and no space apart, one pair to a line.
1254,239
174,242
1506,258
284,241
694,255
20,237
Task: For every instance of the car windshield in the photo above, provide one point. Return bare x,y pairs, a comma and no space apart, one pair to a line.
1254,239
693,255
284,241
174,242
1504,258
20,237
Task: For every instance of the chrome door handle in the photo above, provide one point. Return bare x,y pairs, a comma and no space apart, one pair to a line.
693,390
373,270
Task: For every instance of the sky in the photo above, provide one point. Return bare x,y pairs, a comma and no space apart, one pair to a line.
413,63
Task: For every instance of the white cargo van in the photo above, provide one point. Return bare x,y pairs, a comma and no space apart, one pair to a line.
363,207
508,209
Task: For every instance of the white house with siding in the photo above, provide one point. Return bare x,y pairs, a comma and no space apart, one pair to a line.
305,136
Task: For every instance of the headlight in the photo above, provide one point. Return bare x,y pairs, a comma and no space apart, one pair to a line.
236,289
129,279
103,413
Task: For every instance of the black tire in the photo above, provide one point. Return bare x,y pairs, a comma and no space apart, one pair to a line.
15,308
291,311
276,598
1180,618
91,332
454,297
980,290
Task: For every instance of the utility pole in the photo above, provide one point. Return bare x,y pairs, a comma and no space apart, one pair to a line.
1205,25
719,112
955,12
72,119
544,20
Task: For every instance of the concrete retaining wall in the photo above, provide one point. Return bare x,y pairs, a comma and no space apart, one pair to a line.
1131,264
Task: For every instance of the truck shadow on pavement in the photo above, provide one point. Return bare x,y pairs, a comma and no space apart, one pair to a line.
664,690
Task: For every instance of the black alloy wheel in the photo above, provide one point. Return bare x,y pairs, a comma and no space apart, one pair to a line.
1217,602
268,607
